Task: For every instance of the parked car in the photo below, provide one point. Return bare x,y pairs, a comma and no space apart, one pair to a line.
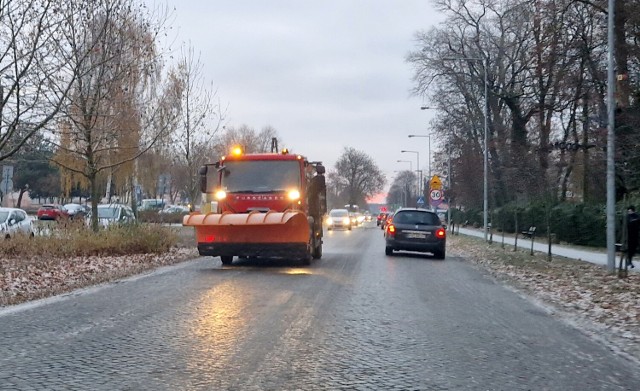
339,218
112,214
175,209
52,212
151,204
14,221
76,211
414,229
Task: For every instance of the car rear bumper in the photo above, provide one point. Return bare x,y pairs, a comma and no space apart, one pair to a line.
408,245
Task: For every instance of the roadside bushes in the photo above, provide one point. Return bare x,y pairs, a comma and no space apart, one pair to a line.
581,224
575,223
69,241
152,216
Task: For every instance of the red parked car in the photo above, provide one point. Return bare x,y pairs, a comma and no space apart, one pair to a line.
52,212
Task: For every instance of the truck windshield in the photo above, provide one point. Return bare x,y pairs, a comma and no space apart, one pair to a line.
260,176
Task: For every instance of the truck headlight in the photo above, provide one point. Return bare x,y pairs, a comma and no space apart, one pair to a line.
294,195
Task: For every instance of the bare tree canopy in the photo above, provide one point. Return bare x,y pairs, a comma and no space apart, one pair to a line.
545,66
403,189
201,117
357,175
118,106
246,137
35,74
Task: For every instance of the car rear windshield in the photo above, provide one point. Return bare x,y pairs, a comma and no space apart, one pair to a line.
416,217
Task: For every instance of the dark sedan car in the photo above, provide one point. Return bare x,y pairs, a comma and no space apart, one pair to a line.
416,230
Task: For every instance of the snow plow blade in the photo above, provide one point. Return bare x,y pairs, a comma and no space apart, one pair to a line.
254,234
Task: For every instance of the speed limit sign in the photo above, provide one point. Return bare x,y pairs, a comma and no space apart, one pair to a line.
435,195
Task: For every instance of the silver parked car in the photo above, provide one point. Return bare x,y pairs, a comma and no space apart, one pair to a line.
111,214
15,221
181,209
76,211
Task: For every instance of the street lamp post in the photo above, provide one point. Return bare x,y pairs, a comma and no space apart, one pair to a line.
420,171
407,161
485,65
429,137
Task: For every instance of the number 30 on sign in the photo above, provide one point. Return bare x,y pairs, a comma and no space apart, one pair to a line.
435,195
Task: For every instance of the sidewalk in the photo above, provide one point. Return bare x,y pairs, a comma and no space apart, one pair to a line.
597,256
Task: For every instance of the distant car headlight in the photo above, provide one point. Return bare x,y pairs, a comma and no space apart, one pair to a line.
221,195
329,221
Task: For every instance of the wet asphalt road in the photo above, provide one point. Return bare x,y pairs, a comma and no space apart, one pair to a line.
354,320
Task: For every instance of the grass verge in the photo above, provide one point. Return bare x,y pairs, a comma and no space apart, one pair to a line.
70,257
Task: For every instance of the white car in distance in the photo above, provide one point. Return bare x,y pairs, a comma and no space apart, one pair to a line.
15,221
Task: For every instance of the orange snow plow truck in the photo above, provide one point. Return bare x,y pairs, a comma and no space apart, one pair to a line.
266,205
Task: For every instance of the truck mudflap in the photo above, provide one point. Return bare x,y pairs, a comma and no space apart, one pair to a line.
253,234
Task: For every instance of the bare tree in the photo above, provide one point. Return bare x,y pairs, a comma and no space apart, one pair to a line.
246,137
35,77
360,175
119,106
201,117
402,190
544,66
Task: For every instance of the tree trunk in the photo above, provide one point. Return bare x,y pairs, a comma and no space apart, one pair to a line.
22,191
94,201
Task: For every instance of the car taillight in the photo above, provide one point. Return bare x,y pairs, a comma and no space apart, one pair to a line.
391,229
441,233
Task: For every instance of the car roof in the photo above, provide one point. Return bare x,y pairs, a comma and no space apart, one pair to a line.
7,209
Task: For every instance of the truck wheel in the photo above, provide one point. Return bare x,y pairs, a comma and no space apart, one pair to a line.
306,261
226,259
317,252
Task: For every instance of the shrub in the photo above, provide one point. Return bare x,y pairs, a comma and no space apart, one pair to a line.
152,216
58,241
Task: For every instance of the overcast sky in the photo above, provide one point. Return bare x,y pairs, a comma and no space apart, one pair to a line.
326,74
